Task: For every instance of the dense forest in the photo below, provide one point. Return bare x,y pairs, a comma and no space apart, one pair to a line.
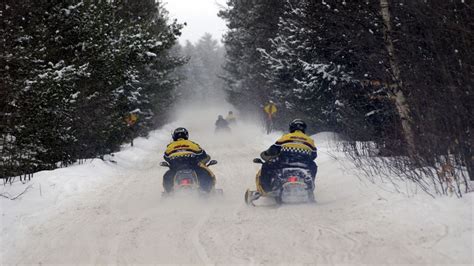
394,77
201,76
79,78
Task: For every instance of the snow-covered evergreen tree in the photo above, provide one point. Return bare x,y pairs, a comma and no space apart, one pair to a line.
302,80
251,26
73,71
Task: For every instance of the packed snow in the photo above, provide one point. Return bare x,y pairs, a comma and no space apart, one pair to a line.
111,211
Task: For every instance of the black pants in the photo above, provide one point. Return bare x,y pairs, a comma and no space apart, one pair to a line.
272,170
206,180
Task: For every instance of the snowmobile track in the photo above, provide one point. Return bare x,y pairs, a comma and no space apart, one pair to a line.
196,240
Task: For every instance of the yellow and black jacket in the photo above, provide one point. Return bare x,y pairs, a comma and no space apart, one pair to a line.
292,145
230,118
183,149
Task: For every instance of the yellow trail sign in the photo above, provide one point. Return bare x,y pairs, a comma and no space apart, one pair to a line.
270,109
131,119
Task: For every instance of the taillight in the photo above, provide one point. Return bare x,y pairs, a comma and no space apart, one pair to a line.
185,182
292,179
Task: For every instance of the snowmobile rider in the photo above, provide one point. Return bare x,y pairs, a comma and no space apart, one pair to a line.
294,148
182,153
230,118
222,125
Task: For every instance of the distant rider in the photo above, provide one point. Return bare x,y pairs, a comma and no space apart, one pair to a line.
222,125
182,153
294,149
230,118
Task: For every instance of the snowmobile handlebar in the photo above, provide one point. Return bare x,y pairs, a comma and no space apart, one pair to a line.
258,160
211,162
164,164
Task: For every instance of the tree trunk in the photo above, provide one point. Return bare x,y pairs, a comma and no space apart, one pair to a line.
397,85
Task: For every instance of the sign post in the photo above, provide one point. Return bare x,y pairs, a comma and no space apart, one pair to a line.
270,109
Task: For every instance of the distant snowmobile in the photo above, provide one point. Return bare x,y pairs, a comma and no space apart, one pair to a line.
186,182
292,185
222,126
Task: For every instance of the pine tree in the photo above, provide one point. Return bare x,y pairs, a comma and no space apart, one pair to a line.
251,25
301,82
74,70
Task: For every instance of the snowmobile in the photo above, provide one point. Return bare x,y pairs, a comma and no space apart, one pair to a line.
186,182
222,130
292,185
222,126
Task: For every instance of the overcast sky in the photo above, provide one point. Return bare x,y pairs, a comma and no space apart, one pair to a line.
200,15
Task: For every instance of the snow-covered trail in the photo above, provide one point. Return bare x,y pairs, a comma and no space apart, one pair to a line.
121,217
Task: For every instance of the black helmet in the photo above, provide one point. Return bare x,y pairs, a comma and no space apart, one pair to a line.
180,133
297,124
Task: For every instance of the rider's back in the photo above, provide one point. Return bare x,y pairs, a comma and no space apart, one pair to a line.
292,147
182,150
297,142
222,123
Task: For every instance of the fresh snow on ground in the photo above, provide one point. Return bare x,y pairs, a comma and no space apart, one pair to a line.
112,212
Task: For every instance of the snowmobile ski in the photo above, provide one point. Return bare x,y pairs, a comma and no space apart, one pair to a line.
251,196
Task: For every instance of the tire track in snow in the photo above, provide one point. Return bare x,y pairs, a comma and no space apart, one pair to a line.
195,238
302,222
249,260
115,241
354,244
330,253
